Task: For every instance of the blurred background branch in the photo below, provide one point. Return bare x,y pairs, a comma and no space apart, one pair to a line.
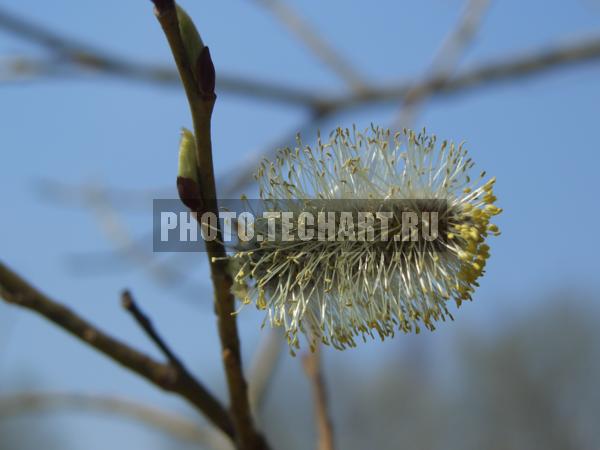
446,59
508,68
306,34
314,372
175,426
263,368
66,55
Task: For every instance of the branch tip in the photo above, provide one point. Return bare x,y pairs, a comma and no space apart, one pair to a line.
163,5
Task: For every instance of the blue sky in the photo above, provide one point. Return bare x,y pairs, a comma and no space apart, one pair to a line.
536,136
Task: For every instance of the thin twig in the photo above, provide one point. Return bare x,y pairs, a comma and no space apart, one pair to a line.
81,194
460,38
128,252
165,269
117,232
15,290
447,58
146,324
312,367
307,34
264,366
201,105
171,424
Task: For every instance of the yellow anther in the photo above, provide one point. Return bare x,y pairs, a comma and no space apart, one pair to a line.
493,228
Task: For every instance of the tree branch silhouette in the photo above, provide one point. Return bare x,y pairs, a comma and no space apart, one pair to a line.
173,425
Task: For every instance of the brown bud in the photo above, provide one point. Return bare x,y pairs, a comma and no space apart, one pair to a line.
205,73
189,193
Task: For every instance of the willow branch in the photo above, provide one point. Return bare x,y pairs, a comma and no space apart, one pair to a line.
171,424
17,291
264,366
312,367
201,99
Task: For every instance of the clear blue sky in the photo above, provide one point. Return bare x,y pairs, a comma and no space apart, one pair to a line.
537,136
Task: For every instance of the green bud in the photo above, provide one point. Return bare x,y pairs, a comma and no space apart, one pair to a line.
188,167
190,36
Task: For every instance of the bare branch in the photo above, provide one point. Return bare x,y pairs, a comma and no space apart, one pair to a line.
20,69
171,424
503,70
263,367
460,38
68,51
17,291
312,367
305,33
